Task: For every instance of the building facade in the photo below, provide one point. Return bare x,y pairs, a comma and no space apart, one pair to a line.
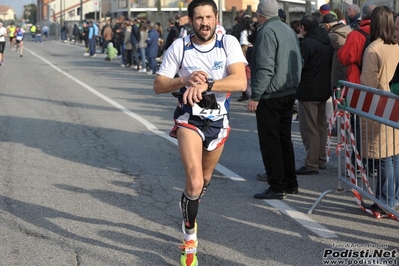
7,13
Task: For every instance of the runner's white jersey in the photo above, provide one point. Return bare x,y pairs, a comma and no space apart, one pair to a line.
183,57
3,33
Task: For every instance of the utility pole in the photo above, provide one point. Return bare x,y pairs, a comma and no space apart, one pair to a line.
128,8
81,10
101,10
308,7
220,6
61,13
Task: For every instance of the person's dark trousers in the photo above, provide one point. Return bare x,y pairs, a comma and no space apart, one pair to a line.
86,42
105,44
128,57
92,46
76,37
117,46
274,119
152,65
135,56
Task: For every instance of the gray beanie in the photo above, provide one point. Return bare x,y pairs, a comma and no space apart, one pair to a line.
268,8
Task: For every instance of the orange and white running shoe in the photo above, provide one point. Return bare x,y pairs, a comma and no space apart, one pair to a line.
189,250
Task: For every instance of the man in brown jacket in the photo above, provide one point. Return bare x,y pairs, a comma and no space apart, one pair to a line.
107,36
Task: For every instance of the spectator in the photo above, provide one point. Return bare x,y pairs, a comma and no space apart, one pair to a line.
340,16
143,46
127,44
134,40
122,43
379,142
245,33
64,32
107,37
110,51
236,30
282,15
75,32
33,32
337,33
152,48
185,27
118,35
275,73
296,27
313,92
38,35
85,38
353,15
92,39
324,9
173,33
220,29
351,53
161,41
45,32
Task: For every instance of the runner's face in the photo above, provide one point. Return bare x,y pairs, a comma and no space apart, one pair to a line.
204,23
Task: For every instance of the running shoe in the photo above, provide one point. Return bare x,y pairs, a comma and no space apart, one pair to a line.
189,250
189,253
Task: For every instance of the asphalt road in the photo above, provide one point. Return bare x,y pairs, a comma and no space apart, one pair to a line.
89,176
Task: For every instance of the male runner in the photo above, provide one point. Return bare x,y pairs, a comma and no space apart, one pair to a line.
211,63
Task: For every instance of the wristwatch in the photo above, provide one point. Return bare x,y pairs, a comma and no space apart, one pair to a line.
210,82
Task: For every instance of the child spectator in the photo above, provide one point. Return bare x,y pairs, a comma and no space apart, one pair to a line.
111,52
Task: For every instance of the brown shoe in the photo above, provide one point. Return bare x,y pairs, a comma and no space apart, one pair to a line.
262,177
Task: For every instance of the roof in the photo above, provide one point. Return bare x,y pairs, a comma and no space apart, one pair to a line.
4,9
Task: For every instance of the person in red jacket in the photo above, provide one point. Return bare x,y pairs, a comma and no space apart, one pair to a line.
351,53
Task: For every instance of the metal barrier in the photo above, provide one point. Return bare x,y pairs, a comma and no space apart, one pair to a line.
367,147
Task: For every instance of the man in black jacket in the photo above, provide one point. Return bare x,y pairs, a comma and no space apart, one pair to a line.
118,34
313,93
173,33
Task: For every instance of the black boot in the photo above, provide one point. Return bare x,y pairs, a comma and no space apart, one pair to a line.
244,97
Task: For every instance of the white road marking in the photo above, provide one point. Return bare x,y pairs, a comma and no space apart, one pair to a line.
301,218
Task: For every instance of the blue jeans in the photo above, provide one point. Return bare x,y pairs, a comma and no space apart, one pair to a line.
63,36
92,46
142,55
152,63
122,49
388,184
104,46
38,39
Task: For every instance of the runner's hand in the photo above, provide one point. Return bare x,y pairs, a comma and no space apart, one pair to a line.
196,85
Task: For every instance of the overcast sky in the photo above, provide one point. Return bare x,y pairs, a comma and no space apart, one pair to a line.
17,5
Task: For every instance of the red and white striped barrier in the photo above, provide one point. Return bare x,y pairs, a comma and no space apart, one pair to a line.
377,105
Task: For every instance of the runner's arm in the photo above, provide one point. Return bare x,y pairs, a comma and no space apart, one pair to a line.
235,81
